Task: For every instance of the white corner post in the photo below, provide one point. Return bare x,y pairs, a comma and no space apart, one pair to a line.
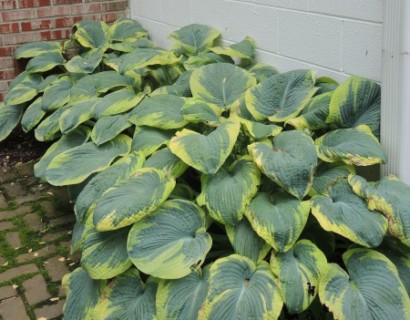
395,117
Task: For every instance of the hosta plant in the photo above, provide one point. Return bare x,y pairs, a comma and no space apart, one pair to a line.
209,186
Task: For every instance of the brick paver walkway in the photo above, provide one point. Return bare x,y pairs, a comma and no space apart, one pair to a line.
35,231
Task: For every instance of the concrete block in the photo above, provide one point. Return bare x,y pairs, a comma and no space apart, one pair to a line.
176,12
288,4
146,8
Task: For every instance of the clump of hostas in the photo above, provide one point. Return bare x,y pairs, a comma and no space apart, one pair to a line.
209,186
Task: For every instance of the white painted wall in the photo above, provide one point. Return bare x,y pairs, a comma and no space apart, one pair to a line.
335,37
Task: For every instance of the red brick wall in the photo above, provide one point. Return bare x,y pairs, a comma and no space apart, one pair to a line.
24,21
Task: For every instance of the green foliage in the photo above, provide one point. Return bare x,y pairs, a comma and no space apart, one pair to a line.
212,186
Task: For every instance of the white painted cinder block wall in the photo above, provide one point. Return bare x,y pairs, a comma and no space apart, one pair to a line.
335,37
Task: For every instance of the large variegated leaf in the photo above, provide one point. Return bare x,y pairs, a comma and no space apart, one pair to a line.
227,193
22,89
181,299
239,289
128,298
326,84
104,254
194,62
49,128
314,114
391,197
169,242
246,242
148,140
345,213
57,94
160,111
355,102
131,199
67,142
75,165
290,161
179,88
125,29
33,115
91,33
205,153
93,85
44,62
9,118
261,71
166,161
29,50
82,293
222,84
118,102
371,289
258,130
328,173
299,271
85,63
104,180
107,128
242,50
399,254
77,114
278,218
197,111
47,82
194,39
282,96
356,146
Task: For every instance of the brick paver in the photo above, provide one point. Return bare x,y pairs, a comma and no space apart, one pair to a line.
29,273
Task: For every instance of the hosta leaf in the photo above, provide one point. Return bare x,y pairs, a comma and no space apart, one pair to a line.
57,94
49,128
371,288
194,62
355,102
243,50
205,153
227,193
278,218
258,130
314,114
47,82
346,214
93,85
399,254
282,96
166,161
86,63
104,254
356,146
391,197
181,299
197,111
118,102
75,165
104,180
125,29
33,115
91,33
326,84
160,111
29,50
107,128
130,45
180,88
9,118
77,114
67,142
169,242
221,84
299,271
128,298
262,71
246,242
148,140
23,89
328,173
82,294
290,162
131,199
194,39
44,62
239,289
